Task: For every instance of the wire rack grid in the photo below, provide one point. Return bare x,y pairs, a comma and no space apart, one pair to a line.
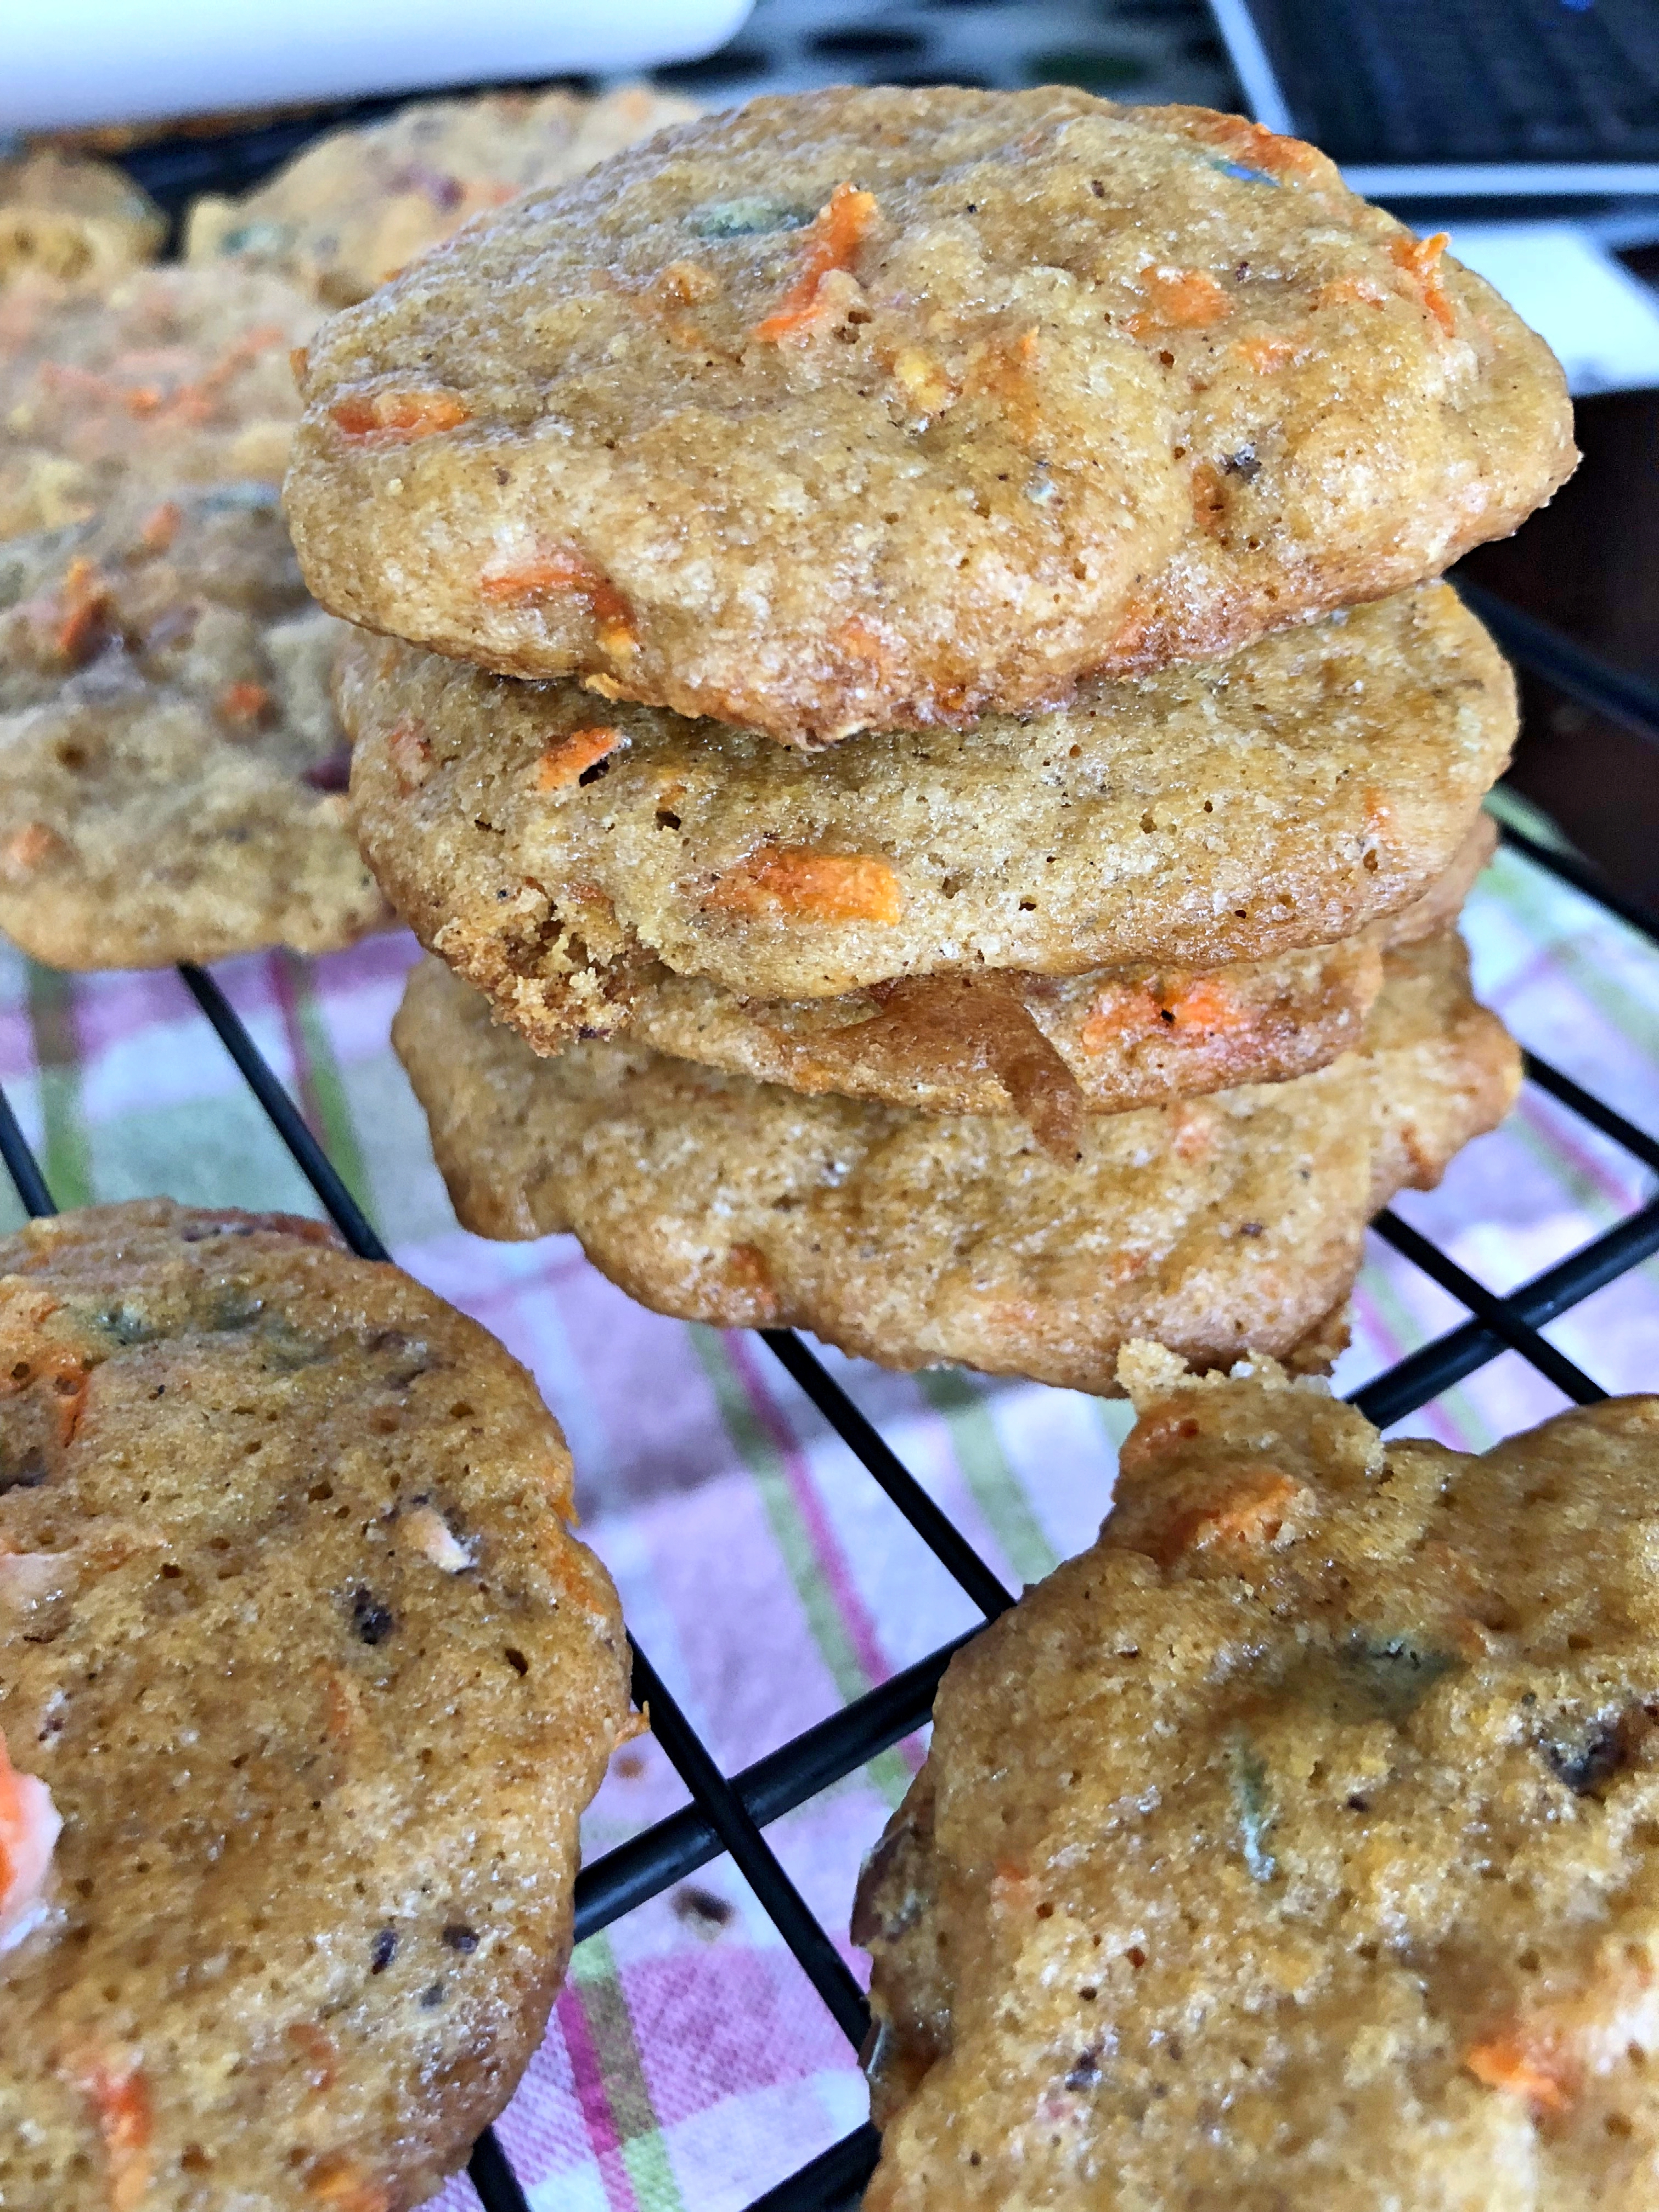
730,1813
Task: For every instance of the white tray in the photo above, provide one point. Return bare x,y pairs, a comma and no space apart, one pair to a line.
68,62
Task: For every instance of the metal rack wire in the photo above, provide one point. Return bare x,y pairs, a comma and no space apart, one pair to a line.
730,1813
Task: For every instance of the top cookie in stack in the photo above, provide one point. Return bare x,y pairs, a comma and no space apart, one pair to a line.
1015,460
880,409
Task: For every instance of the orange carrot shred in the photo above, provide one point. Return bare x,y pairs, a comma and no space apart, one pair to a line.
1179,299
1207,1004
561,568
119,2097
1504,2063
244,702
298,360
1251,1512
26,848
1267,357
398,418
1420,259
831,242
802,886
161,526
1254,147
568,761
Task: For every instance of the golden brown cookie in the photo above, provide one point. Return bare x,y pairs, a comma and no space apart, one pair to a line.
551,848
173,376
1048,1047
82,221
1222,1223
876,408
1324,1871
293,1630
355,205
172,775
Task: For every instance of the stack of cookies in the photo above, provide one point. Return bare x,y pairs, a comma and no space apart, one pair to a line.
911,683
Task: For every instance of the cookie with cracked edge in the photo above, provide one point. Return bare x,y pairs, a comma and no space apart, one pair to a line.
355,206
173,376
297,1647
1053,1048
171,774
1283,798
1325,1873
1225,1223
81,221
872,408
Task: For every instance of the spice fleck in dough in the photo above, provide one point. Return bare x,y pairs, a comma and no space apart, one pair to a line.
1324,1872
174,376
873,409
294,1634
1222,1223
552,850
355,206
84,222
172,775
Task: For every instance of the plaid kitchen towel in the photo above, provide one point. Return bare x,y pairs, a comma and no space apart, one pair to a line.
690,2064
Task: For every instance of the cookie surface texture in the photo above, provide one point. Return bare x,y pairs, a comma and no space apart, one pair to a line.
913,1239
1325,1874
550,845
353,208
174,376
876,408
292,1629
80,222
172,775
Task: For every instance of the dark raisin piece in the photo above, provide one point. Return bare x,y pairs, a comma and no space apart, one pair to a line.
383,1951
432,1995
371,1620
515,1659
459,1938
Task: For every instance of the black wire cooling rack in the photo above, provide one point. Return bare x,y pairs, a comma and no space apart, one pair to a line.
729,1813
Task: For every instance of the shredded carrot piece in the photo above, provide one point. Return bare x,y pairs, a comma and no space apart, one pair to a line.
1420,259
1155,1436
568,761
244,702
1179,299
25,850
802,886
748,1270
320,2058
1267,357
29,1827
1342,290
83,603
298,360
343,2183
1192,1132
341,1706
398,418
856,638
1253,146
561,568
1251,1512
410,756
119,2096
1206,1005
831,242
161,526
1505,2062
